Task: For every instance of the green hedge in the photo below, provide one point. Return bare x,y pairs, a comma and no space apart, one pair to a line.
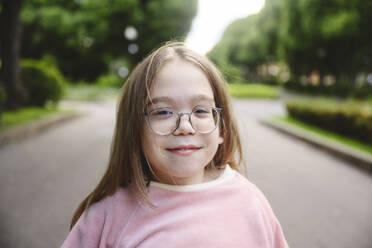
350,118
341,89
42,81
2,102
2,97
253,91
110,80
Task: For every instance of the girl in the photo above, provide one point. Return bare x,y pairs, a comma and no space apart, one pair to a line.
172,177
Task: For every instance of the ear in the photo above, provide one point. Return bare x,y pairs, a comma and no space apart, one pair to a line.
220,140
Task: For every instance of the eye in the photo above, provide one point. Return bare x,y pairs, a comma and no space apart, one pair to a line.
201,112
162,112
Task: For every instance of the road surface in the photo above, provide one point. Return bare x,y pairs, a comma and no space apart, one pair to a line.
321,201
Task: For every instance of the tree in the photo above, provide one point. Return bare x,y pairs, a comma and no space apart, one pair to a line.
329,37
10,47
249,42
87,36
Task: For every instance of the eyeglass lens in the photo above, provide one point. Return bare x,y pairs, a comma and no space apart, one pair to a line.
165,121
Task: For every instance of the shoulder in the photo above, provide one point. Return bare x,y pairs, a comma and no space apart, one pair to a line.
254,195
122,197
245,185
110,206
102,221
251,193
264,209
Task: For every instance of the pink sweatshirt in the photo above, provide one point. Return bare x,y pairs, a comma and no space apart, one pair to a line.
227,212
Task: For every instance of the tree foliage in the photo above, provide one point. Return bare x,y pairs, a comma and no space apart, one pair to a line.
87,36
249,42
9,53
331,37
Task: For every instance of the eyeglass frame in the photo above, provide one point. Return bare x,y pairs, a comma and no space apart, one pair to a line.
218,110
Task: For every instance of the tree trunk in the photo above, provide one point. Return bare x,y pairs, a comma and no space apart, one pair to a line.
10,48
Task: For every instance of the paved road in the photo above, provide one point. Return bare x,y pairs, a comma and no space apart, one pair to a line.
321,201
43,178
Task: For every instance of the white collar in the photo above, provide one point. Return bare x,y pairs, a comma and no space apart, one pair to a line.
225,175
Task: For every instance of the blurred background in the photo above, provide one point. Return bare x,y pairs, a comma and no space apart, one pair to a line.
299,72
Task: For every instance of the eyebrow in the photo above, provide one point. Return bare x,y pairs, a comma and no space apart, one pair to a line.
172,100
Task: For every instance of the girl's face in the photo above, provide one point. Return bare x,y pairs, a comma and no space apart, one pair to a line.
180,158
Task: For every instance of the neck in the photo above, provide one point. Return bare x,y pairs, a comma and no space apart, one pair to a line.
206,176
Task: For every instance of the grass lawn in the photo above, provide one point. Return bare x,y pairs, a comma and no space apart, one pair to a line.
22,116
253,91
327,134
73,92
87,92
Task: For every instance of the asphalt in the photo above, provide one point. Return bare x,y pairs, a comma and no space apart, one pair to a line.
355,156
20,132
320,199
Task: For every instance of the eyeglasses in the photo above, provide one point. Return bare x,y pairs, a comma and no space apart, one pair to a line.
165,121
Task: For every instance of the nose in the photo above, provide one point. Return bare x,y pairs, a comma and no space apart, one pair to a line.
184,125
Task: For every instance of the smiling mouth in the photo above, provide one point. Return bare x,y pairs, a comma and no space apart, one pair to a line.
184,150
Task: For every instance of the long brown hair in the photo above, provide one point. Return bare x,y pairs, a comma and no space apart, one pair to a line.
127,165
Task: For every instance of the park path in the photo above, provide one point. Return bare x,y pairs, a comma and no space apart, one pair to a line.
321,201
44,177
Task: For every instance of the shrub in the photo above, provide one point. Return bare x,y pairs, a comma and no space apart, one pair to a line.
110,80
363,92
253,91
2,97
353,119
232,73
2,101
341,89
42,81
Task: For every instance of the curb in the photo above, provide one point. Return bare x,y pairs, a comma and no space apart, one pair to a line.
357,157
26,130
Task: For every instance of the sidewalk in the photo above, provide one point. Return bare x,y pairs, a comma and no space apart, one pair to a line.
356,157
28,129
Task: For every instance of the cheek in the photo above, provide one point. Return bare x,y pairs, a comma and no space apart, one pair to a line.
151,144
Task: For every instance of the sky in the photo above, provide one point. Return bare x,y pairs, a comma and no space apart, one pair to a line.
212,19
